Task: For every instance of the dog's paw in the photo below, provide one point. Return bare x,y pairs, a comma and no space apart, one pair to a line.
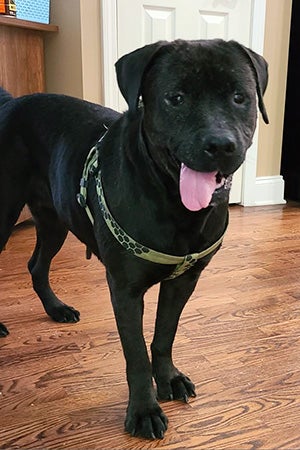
65,314
180,387
148,423
3,330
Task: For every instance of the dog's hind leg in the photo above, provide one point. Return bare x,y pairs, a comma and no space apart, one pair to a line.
171,383
13,195
51,234
12,200
8,216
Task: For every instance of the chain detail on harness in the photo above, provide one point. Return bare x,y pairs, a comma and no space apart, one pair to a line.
182,263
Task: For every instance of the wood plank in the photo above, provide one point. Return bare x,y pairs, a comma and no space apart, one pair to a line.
22,51
64,385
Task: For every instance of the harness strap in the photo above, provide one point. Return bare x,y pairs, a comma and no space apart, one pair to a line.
90,168
182,263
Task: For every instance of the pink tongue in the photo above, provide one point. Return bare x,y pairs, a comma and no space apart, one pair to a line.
196,188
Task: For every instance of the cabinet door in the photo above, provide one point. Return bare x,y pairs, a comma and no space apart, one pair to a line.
22,60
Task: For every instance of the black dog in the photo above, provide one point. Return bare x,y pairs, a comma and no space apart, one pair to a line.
154,187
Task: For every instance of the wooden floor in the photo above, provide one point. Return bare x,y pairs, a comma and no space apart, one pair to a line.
63,386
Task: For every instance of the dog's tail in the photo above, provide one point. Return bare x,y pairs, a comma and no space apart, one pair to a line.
4,96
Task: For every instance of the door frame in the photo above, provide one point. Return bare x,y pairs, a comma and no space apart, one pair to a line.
110,55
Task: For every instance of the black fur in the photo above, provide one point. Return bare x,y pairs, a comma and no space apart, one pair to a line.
44,140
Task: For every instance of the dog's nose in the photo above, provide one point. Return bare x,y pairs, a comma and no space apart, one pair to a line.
218,145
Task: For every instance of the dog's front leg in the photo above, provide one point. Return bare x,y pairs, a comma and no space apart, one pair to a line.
144,416
171,383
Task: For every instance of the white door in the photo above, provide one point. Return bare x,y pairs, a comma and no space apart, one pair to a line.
142,22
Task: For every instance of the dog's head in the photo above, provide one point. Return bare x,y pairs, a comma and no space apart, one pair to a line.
200,107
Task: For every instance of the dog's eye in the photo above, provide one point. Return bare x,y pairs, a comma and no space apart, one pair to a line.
238,98
174,99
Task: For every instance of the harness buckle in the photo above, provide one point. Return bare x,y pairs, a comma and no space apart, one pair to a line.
182,267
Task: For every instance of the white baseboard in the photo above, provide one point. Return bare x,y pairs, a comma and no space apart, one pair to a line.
269,191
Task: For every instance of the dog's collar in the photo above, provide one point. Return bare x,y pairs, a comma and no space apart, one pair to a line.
182,263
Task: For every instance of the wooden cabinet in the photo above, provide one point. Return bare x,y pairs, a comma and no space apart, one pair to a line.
22,55
22,59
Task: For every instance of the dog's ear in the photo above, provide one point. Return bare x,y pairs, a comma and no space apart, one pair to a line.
260,68
130,70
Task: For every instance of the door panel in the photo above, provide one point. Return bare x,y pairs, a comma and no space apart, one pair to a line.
140,22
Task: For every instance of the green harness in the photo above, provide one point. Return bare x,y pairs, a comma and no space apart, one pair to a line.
182,263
